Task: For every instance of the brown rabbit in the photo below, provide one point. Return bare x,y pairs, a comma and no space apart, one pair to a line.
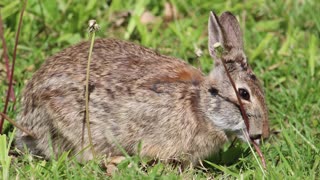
138,95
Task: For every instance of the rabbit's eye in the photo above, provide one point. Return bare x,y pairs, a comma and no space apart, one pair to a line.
213,91
244,94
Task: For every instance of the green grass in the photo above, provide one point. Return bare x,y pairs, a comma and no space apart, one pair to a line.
282,44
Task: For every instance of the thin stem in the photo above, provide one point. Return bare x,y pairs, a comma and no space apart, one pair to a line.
258,151
219,50
17,125
244,115
243,112
13,64
87,94
257,148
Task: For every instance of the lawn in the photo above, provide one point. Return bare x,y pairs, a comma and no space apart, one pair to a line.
282,42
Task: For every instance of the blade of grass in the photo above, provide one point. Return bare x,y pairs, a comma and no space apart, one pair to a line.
5,159
224,169
285,161
297,131
312,54
138,10
263,45
10,8
305,139
316,166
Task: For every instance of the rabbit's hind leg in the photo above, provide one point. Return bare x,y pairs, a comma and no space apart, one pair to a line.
39,124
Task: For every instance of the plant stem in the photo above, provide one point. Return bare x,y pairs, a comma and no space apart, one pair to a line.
219,50
87,94
4,116
258,151
13,64
243,112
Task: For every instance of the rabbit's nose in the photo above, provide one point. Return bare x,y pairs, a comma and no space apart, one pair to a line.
255,136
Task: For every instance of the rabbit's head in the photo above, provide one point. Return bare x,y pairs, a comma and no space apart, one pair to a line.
225,112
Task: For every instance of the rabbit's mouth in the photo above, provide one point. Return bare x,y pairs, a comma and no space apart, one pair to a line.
244,136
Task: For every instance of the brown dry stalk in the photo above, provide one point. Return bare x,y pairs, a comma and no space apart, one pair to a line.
93,26
13,64
244,114
4,116
263,161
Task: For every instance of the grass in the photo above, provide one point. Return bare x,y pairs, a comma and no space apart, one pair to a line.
282,44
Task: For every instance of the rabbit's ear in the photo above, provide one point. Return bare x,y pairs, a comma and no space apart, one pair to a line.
215,34
231,31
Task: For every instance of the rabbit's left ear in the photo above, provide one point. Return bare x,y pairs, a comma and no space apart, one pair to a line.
231,31
226,31
233,42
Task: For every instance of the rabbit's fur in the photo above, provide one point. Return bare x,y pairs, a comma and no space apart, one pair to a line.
138,95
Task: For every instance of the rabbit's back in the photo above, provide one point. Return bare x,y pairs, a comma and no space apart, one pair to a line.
136,95
114,62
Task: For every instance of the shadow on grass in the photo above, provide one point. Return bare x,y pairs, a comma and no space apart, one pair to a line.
228,156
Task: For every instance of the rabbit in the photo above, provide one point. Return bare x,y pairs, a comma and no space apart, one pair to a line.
138,96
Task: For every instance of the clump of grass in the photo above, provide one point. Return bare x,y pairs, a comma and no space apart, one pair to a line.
5,159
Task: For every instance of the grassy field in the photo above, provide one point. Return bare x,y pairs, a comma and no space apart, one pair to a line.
281,42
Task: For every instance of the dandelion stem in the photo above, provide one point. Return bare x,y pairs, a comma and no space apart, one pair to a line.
87,93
